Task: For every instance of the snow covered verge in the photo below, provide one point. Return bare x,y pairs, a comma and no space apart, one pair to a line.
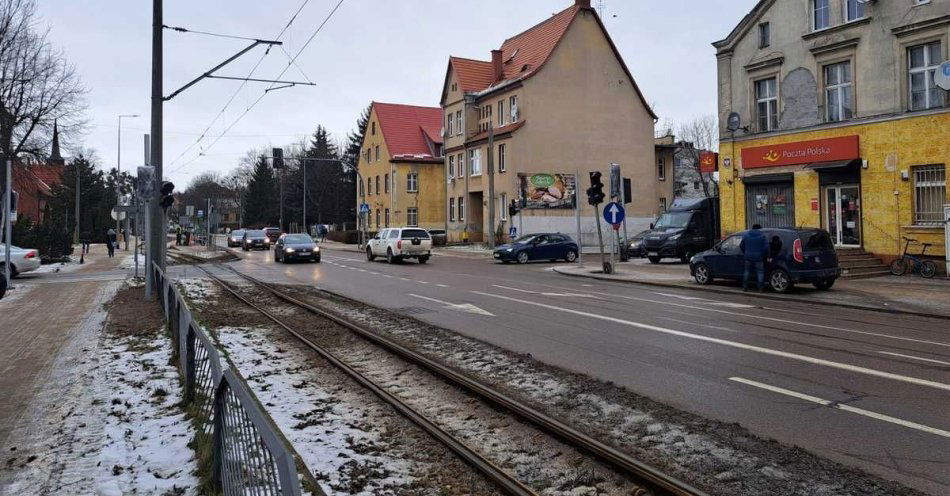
108,421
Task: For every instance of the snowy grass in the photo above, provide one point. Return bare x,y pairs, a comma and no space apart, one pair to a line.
129,261
198,291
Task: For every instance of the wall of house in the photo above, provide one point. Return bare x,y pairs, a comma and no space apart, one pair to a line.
377,200
429,199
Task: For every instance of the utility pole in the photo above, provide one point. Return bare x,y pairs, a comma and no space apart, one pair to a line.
281,199
156,247
491,186
118,179
76,231
305,228
7,220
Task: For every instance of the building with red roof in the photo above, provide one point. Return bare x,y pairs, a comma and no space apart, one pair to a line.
34,183
401,167
553,103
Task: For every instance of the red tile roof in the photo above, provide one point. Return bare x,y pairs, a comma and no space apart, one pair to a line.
473,75
51,174
405,127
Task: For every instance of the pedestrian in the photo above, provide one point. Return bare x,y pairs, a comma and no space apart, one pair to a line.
178,236
755,249
322,231
85,238
111,242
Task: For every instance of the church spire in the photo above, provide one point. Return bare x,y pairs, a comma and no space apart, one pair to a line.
54,155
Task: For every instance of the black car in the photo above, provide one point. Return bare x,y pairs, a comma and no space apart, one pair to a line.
795,256
290,247
546,246
235,238
255,239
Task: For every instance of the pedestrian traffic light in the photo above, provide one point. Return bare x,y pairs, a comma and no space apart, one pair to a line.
278,158
513,208
167,198
595,193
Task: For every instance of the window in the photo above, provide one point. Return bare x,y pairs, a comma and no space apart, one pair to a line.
377,153
923,62
821,14
455,86
661,169
377,185
450,130
459,125
502,166
501,113
377,218
854,10
513,107
374,129
475,162
460,161
386,182
662,205
451,209
764,33
412,182
361,188
369,154
766,99
838,104
451,166
930,194
461,209
412,216
387,217
503,199
695,185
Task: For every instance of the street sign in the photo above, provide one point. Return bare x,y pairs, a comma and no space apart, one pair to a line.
364,208
201,213
942,76
614,214
117,215
144,184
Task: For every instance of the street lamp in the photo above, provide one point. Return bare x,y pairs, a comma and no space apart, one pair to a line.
118,177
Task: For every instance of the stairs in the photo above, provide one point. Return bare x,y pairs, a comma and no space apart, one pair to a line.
859,264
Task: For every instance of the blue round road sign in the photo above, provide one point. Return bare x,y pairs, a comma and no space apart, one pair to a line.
614,213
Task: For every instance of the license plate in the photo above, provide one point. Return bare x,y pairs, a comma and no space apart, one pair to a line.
303,252
653,254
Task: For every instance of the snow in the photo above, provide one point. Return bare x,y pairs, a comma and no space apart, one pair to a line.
58,267
199,291
129,261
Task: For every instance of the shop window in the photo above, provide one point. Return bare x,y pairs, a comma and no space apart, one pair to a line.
923,61
766,100
930,194
838,92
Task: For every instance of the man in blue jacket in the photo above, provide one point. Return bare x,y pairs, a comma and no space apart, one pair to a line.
755,249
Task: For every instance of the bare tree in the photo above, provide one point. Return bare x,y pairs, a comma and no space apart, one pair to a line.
37,85
696,136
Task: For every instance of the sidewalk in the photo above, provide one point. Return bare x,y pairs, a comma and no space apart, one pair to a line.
911,295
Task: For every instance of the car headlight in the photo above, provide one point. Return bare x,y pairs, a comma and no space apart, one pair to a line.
289,250
509,250
316,248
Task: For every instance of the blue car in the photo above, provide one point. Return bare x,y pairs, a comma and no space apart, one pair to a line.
795,256
546,246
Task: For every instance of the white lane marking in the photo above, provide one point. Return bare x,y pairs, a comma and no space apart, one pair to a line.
374,273
941,362
574,295
403,279
361,270
389,276
441,285
461,307
422,282
735,344
679,296
846,408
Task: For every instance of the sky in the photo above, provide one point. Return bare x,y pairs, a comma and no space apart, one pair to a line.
370,50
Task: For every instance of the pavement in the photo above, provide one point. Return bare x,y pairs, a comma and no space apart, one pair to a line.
866,389
38,319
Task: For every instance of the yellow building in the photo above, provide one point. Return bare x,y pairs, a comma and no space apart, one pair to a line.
401,168
831,118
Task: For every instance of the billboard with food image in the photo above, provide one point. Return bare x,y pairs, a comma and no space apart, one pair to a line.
548,190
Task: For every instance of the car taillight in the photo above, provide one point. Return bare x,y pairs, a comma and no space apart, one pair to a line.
797,251
31,254
399,244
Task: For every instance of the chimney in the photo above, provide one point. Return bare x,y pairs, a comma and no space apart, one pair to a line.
584,4
496,64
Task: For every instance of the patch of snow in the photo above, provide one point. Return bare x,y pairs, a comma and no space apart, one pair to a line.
199,291
129,261
60,267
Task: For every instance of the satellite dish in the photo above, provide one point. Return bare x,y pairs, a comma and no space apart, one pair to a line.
942,76
734,122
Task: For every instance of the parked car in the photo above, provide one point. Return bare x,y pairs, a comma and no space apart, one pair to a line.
234,239
290,247
690,226
255,239
400,243
439,237
21,259
273,233
544,246
795,256
3,286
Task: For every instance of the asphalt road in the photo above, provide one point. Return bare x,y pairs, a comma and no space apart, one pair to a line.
766,365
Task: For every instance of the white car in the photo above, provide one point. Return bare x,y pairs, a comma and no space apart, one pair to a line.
400,243
21,259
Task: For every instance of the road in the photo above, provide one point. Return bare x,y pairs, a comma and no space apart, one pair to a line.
770,366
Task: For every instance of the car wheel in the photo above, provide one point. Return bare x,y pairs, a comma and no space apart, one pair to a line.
423,259
927,269
654,260
824,284
687,255
523,257
702,275
571,256
779,281
369,254
389,256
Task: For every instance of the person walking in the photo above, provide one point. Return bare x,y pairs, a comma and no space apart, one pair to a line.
85,238
178,236
755,249
111,242
322,232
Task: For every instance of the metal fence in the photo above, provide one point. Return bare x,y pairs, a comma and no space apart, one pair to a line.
248,455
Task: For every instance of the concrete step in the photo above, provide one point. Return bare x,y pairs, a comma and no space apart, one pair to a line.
866,275
869,262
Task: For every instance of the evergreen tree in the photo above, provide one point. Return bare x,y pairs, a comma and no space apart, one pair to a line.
96,198
351,160
262,202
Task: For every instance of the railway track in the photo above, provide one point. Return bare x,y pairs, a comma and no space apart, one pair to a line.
652,480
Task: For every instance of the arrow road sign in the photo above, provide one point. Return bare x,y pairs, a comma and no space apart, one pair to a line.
614,214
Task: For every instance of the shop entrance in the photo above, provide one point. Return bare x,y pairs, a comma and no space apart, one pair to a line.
772,203
843,214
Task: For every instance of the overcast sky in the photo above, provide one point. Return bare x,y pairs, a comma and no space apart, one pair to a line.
384,50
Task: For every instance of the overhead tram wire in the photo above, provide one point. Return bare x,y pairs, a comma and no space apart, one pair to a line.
234,95
261,97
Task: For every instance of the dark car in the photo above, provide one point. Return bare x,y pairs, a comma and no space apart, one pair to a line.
795,256
690,226
273,233
546,246
255,239
290,247
234,239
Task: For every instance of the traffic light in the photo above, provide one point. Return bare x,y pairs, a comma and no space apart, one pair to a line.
513,208
278,158
167,198
595,193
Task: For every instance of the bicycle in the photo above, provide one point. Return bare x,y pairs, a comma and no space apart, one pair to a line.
925,268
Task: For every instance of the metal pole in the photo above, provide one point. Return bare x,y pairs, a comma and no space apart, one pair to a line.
208,226
281,199
135,251
577,219
305,228
600,239
491,186
7,221
76,231
157,216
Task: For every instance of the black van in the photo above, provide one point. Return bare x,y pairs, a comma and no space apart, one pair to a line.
796,256
690,226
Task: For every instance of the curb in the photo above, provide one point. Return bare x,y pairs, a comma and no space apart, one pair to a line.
893,311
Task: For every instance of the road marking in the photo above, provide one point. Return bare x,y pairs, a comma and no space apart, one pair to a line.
515,289
914,357
422,282
573,295
404,279
441,285
387,275
735,344
838,406
461,307
679,296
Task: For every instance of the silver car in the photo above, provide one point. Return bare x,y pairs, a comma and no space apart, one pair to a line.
21,259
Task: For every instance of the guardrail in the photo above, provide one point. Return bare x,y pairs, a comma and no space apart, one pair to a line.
247,453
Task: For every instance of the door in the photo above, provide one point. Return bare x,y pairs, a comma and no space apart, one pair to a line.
843,214
541,248
770,204
378,242
726,262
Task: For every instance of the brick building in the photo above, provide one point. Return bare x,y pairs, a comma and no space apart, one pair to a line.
34,181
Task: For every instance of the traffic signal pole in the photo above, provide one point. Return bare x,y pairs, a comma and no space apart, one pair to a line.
156,235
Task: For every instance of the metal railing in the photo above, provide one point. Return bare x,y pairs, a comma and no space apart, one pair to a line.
248,455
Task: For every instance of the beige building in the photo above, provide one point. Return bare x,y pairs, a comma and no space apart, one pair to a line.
554,103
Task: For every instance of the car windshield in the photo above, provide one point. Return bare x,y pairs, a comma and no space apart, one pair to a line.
673,220
237,233
255,234
415,233
297,238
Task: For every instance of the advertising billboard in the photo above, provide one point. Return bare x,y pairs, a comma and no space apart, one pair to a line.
548,191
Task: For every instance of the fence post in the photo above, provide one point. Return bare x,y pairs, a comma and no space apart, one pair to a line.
189,361
217,446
